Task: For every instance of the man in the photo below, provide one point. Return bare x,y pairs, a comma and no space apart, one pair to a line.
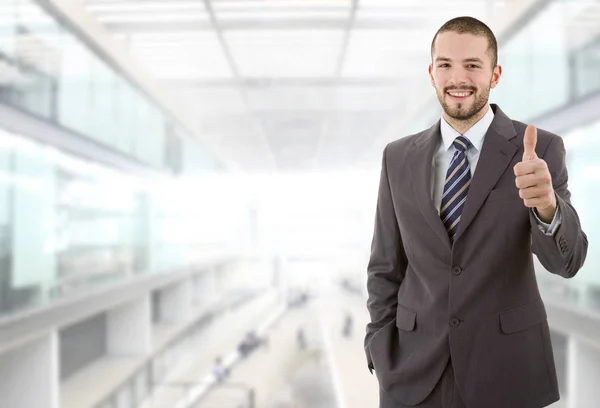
456,315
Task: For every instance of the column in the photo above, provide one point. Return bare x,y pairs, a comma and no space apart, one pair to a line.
176,302
129,328
204,287
583,371
29,375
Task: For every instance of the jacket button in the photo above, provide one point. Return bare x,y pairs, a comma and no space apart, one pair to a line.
454,322
456,270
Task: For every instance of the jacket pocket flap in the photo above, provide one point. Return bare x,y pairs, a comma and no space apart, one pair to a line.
405,319
523,317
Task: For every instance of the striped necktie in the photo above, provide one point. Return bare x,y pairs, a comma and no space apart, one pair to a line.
456,186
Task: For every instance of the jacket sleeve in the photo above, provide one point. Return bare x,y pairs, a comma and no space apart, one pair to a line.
387,263
564,252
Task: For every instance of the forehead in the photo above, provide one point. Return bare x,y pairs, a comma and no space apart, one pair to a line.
460,46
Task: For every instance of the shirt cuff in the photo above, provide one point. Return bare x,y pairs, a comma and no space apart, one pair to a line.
548,229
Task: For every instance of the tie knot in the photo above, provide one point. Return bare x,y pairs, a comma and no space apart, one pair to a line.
462,143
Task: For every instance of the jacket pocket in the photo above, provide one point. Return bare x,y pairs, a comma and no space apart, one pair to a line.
523,317
405,319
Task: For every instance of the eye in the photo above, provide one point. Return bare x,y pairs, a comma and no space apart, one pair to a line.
473,66
443,65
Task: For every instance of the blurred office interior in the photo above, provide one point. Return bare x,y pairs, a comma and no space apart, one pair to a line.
187,190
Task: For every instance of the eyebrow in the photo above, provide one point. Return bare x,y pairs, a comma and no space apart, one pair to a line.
472,59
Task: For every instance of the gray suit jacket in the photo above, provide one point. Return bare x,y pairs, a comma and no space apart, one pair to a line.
476,301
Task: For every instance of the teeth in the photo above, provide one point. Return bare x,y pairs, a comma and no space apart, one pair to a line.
460,94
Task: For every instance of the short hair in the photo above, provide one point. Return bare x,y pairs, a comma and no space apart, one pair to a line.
470,25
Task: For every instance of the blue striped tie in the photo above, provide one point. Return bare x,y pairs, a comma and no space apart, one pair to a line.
456,186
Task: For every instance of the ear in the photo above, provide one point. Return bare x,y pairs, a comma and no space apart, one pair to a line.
496,76
430,70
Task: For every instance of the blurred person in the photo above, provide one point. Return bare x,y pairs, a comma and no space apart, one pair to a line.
219,370
348,324
456,315
301,338
250,342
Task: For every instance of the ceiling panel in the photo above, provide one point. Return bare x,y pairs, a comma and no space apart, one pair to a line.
209,101
331,98
293,98
124,6
150,18
375,98
278,5
230,16
148,12
187,54
386,53
285,53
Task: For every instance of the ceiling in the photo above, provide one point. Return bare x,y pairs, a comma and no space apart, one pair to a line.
294,85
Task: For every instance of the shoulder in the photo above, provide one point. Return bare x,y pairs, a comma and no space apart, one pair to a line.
400,147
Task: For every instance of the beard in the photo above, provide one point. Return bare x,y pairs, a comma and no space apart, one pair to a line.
460,110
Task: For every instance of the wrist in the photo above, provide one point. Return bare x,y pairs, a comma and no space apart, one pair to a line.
547,214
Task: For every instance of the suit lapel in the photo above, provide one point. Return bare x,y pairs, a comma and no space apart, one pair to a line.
496,154
420,162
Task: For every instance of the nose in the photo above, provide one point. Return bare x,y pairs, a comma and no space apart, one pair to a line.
458,82
458,78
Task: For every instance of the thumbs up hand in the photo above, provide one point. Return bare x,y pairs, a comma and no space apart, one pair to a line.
533,179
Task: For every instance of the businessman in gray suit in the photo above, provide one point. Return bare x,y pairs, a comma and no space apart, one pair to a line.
456,315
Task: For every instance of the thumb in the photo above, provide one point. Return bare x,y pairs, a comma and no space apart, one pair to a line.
529,142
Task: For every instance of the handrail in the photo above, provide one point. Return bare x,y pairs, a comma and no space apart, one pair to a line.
251,394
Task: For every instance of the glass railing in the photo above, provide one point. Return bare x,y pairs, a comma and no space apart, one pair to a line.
46,70
586,68
68,225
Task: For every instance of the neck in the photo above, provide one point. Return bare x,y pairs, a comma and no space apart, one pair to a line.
462,125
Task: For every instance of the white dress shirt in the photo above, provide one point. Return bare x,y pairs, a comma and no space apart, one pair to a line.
446,150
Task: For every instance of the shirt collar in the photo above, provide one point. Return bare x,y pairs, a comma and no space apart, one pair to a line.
475,134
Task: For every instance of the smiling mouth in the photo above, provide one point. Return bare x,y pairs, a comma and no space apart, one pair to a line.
459,95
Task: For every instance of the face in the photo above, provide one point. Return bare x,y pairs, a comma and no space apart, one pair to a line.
462,73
